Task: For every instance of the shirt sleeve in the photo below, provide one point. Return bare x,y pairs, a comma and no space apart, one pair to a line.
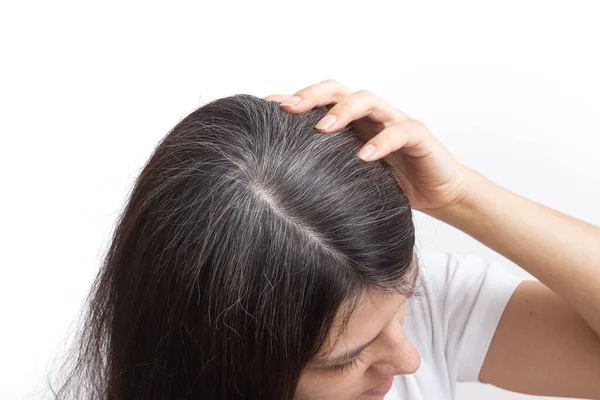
474,293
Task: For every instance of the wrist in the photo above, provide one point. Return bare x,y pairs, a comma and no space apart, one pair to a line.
465,202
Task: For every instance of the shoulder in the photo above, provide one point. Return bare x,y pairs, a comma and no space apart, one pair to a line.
459,301
445,273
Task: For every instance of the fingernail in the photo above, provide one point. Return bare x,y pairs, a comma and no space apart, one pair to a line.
366,151
325,122
291,101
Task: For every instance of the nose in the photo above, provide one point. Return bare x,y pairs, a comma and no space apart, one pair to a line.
398,356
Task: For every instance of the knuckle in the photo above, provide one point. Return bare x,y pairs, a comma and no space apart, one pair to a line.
418,125
364,92
338,90
331,82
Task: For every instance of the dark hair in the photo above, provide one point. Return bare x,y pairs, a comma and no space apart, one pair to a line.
244,235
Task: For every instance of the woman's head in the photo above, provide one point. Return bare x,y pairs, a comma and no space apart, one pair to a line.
252,247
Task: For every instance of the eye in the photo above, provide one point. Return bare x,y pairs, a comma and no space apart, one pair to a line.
339,369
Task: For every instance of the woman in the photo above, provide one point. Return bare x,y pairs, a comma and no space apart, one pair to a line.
257,259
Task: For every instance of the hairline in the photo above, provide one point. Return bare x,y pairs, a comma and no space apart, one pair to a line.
323,362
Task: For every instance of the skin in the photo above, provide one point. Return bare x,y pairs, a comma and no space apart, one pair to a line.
429,175
392,353
547,341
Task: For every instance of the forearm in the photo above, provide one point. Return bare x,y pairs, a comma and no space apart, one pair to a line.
560,251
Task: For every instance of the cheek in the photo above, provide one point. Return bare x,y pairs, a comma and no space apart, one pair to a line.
330,385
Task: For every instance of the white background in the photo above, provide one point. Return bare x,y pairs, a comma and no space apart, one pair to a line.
87,90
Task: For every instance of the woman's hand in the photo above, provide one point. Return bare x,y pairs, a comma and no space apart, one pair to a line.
429,175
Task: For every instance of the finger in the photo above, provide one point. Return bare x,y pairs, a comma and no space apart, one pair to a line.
320,94
358,105
276,97
408,135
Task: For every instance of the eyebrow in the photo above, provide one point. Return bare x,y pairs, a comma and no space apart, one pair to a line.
349,355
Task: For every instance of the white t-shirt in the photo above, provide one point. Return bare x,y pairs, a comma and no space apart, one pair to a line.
452,322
